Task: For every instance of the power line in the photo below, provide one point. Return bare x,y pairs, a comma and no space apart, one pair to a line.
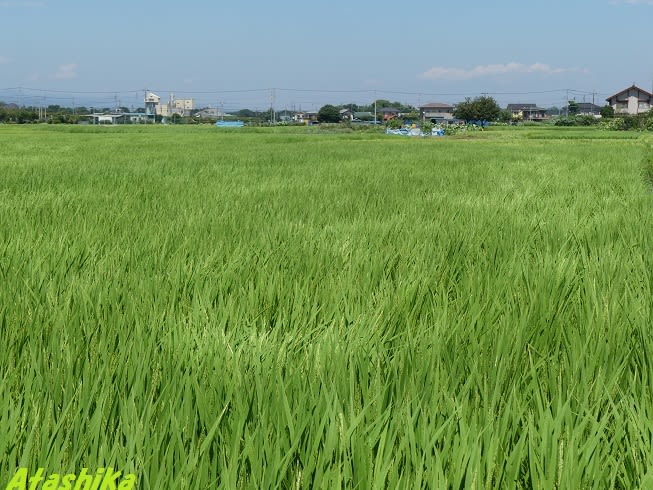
72,92
270,97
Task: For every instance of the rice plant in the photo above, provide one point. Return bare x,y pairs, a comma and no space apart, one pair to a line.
295,309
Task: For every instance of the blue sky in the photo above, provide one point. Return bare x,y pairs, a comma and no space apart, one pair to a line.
315,52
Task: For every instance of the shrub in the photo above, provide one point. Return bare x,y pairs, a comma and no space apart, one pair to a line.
614,124
393,123
649,123
576,121
566,121
585,120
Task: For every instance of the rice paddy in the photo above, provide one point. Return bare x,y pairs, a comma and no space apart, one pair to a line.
297,309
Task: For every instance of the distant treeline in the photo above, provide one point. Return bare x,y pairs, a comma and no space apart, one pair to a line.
12,113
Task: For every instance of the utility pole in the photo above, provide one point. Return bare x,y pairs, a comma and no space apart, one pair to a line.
272,100
145,90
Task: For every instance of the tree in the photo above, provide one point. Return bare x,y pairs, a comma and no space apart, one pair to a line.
382,103
553,111
482,108
572,108
245,113
607,111
351,107
464,110
505,116
412,115
328,114
486,108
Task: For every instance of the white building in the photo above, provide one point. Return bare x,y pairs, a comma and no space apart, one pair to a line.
632,100
152,102
436,112
183,107
153,106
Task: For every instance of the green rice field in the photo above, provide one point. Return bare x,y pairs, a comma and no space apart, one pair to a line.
297,309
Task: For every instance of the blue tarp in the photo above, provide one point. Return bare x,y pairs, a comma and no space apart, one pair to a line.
230,124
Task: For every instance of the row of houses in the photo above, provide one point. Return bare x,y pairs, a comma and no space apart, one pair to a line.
632,100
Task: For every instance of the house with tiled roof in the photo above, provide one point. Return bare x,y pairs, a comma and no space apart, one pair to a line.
588,109
527,112
388,113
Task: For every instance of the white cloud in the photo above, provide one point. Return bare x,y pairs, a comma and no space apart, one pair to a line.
66,72
4,60
480,71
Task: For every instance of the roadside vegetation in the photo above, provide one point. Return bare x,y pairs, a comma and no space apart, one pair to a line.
621,122
286,308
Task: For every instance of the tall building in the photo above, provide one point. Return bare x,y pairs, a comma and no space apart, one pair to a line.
183,107
152,102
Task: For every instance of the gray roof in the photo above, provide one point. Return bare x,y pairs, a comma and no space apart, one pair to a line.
521,107
436,105
632,87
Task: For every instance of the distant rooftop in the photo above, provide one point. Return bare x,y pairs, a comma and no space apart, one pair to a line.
521,107
436,105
